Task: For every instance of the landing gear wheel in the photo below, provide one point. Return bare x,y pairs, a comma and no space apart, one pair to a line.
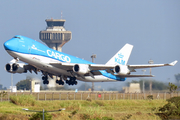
75,82
72,81
45,77
45,82
61,82
67,81
57,81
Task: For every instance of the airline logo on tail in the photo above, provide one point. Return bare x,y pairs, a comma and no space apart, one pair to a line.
122,56
119,59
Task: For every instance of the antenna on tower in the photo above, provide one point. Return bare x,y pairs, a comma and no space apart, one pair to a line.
61,14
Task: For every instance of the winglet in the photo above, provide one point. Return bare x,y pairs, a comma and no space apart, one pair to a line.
173,63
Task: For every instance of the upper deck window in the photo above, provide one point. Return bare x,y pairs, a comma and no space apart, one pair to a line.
17,37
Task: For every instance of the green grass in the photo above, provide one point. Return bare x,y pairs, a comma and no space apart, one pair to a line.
80,110
23,100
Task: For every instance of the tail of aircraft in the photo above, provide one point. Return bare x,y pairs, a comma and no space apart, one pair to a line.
122,56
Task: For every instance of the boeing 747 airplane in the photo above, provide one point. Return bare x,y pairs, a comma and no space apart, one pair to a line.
40,58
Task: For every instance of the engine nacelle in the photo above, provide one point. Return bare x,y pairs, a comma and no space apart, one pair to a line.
81,68
8,67
15,68
121,70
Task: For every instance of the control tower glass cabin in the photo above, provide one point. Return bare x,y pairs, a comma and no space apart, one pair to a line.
55,35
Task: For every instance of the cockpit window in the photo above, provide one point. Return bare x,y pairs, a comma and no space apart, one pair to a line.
17,37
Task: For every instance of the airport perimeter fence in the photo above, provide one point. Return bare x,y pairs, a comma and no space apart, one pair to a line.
91,95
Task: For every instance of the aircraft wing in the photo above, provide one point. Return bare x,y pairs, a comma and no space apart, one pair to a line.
109,69
106,67
94,68
69,66
136,75
151,65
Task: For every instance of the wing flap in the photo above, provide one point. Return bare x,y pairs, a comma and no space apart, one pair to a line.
31,68
65,66
100,66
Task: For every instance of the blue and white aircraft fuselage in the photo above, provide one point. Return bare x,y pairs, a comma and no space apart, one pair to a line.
67,67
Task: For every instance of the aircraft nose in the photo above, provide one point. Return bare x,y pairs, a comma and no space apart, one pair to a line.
6,45
11,44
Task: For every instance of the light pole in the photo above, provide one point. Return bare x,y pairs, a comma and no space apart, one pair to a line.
11,79
150,85
12,82
93,56
143,80
29,78
43,111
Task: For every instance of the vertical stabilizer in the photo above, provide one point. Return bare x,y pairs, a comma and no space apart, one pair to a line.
122,56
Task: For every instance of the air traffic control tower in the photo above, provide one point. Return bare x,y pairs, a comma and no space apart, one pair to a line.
55,35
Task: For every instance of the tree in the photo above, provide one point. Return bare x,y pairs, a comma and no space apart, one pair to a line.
1,87
177,76
112,89
172,87
24,84
156,85
84,86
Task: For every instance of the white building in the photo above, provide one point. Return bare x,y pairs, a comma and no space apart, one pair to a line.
133,88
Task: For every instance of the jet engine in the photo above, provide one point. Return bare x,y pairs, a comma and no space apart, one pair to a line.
8,67
81,68
15,68
121,70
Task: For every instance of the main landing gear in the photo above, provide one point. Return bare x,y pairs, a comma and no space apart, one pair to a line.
72,81
69,81
45,79
60,82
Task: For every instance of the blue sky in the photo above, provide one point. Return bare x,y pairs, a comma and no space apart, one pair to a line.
101,27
